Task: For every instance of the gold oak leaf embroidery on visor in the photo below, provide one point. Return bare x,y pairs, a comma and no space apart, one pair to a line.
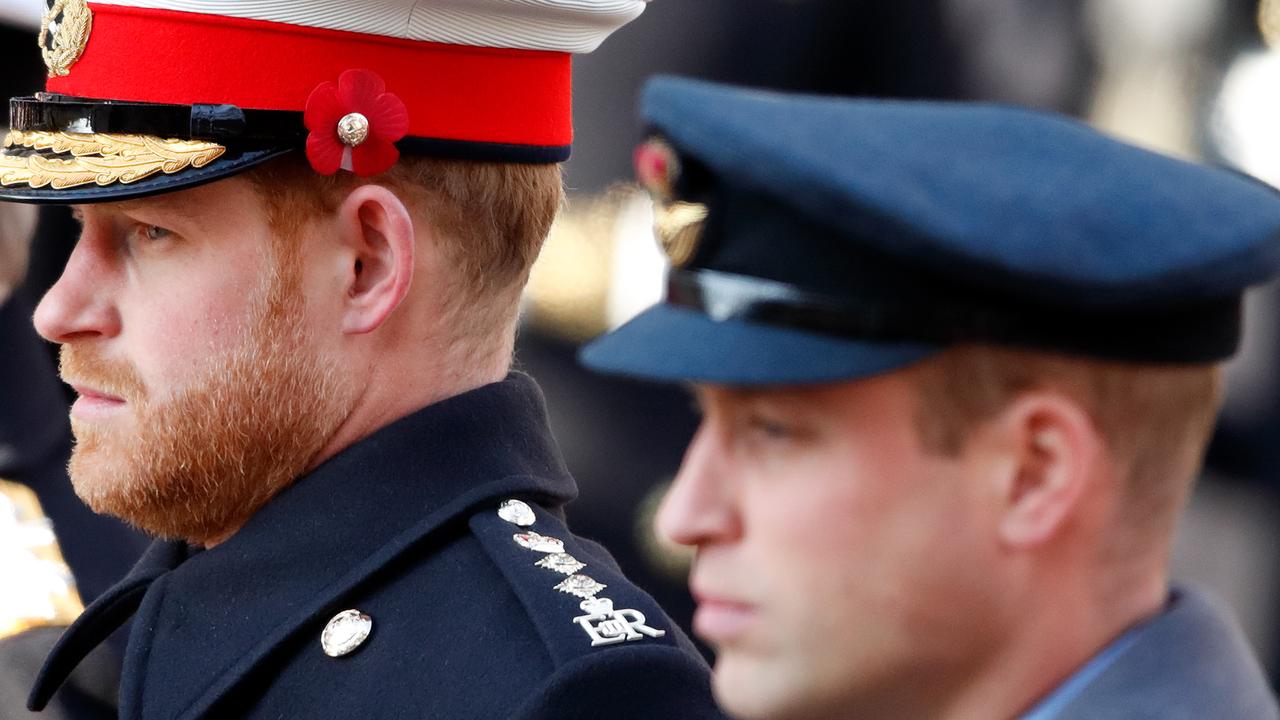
66,160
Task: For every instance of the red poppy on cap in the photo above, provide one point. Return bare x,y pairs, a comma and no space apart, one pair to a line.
657,167
354,125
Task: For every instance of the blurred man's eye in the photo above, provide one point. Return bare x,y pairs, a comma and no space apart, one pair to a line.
772,429
155,232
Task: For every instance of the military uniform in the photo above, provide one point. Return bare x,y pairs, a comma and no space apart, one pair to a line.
463,606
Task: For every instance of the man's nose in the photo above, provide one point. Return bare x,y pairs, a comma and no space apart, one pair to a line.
78,306
701,506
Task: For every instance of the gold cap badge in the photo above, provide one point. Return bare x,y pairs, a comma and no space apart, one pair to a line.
677,224
64,33
679,229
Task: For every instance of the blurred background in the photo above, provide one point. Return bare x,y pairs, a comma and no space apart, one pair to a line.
1189,77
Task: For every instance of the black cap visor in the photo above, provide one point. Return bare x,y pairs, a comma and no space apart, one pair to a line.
71,150
77,150
99,182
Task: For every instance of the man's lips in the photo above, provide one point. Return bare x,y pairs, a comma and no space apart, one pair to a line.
721,619
93,394
93,402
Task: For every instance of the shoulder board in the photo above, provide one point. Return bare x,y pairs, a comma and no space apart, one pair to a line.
572,590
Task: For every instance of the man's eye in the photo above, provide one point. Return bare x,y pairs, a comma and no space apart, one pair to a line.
155,232
772,429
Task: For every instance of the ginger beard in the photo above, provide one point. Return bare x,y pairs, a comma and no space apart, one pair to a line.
197,464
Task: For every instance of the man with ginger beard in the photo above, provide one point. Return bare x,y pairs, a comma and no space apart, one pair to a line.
958,365
289,320
200,460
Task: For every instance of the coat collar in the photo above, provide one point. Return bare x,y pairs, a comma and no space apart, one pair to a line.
101,618
317,541
1190,661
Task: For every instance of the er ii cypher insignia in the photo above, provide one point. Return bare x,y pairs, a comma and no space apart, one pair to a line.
607,626
603,624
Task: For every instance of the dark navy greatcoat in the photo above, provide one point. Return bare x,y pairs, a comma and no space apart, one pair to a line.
403,527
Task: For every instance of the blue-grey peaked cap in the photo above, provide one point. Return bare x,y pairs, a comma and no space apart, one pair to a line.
935,223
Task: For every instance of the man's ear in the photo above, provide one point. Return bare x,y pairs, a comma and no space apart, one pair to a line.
378,235
1054,450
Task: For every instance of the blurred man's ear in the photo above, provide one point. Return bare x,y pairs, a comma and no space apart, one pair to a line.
1052,450
377,235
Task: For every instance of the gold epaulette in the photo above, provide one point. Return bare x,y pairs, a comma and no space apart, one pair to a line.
38,588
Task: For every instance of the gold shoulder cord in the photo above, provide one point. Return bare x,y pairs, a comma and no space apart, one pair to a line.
98,158
39,589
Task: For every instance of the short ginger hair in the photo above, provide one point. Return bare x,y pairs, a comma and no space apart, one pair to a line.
1156,420
489,218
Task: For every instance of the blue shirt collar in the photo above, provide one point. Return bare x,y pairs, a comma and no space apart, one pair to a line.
1056,701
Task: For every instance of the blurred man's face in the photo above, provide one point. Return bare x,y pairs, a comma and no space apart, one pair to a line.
185,331
840,567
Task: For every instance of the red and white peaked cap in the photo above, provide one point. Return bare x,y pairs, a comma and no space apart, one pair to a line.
148,96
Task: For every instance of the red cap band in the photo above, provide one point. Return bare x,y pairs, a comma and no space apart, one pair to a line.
452,92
